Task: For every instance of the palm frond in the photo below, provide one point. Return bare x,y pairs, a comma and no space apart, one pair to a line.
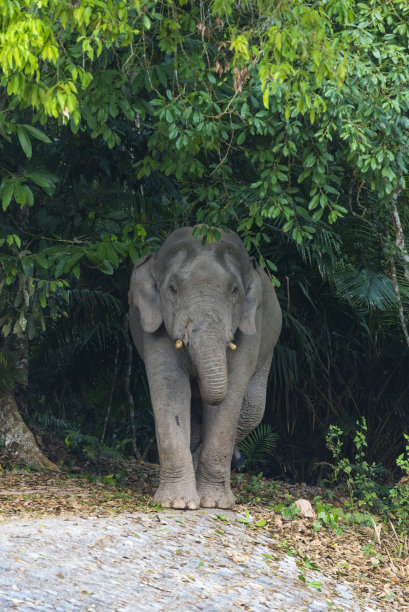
304,338
93,298
284,368
365,288
324,251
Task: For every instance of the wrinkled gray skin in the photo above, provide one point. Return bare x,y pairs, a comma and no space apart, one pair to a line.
205,396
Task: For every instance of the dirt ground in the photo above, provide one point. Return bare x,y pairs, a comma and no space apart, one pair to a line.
70,544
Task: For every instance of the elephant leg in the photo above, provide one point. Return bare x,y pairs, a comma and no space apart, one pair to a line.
196,431
254,403
218,441
238,459
195,457
223,427
170,395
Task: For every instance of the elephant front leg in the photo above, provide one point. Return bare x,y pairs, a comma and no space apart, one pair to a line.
213,471
170,396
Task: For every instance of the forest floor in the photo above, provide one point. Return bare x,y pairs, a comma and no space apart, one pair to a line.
283,556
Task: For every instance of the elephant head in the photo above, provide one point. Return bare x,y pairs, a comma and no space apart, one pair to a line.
202,294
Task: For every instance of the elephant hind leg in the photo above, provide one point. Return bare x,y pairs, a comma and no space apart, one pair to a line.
195,457
254,403
238,460
196,431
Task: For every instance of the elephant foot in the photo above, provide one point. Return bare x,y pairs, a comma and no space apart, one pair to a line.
216,496
180,497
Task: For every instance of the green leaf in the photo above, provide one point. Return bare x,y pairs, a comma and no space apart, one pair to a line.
267,556
39,179
24,141
310,160
315,584
27,265
266,97
7,194
41,260
44,179
318,214
278,40
244,110
106,267
187,112
37,133
29,195
20,194
161,75
133,254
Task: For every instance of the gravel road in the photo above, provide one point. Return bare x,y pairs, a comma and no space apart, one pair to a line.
170,560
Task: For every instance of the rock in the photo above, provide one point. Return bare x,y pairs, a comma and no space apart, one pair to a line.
305,508
147,562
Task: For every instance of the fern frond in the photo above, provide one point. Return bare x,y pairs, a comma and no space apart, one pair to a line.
259,445
9,373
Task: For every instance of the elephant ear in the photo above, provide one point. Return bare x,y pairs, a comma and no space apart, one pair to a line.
251,302
144,294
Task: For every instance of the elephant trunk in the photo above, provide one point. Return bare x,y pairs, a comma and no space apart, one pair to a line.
209,358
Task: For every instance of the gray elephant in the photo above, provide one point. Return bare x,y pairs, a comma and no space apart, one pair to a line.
205,320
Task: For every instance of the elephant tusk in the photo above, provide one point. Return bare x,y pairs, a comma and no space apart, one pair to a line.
232,346
178,344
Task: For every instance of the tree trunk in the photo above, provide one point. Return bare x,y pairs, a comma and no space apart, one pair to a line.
18,439
128,371
19,346
111,395
399,301
400,240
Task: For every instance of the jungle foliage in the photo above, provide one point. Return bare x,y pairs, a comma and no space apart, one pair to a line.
286,121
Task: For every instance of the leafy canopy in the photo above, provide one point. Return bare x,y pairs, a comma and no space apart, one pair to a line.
253,115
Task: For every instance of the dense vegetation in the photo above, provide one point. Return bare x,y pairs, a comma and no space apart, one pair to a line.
286,121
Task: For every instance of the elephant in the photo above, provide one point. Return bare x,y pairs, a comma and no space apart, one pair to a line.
205,320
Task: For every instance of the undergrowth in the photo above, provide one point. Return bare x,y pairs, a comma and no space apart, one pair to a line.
364,481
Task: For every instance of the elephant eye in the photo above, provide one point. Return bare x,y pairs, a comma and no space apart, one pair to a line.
172,288
235,290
